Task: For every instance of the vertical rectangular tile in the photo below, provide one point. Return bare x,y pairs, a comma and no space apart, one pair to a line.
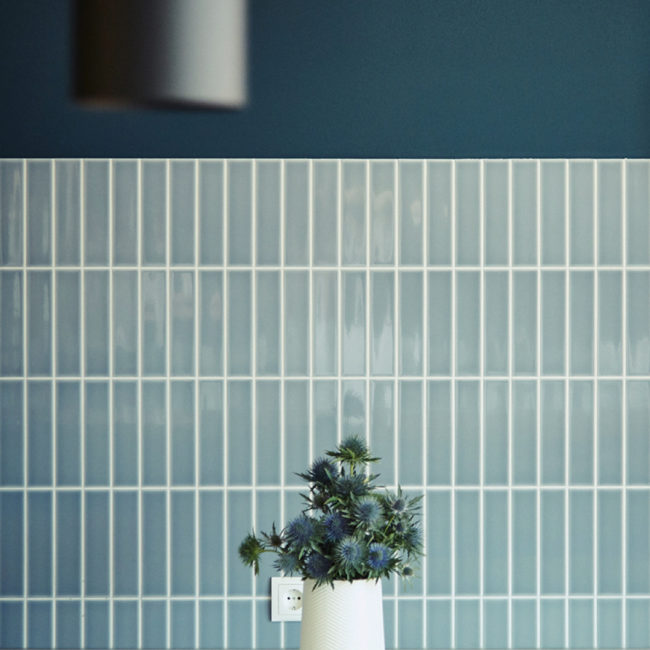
325,208
239,432
154,212
183,295
268,510
211,211
582,323
496,212
68,433
524,623
382,428
524,542
39,433
610,438
410,212
410,624
610,326
96,322
154,543
468,212
211,543
296,226
12,451
468,627
39,624
68,211
467,542
182,428
325,323
524,335
153,315
296,324
552,623
638,426
182,624
96,202
581,624
154,433
40,538
382,314
240,632
68,543
495,542
11,543
439,624
553,215
97,555
468,322
524,212
495,433
268,432
439,322
267,632
39,212
11,207
211,440
553,322
11,630
211,624
609,536
439,433
610,220
610,626
239,322
353,408
353,215
638,542
581,432
125,543
268,212
154,624
325,416
353,318
182,543
39,323
125,624
495,624
11,321
581,536
182,211
439,179
211,315
96,433
495,344
552,431
411,339
238,526
524,432
68,322
467,433
581,211
296,430
637,633
638,205
410,427
638,323
125,433
552,541
382,212
125,212
240,211
125,323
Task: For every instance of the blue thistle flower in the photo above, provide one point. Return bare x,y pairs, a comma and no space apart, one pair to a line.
368,511
351,485
413,538
335,527
322,471
301,530
378,556
287,563
317,566
355,445
349,553
398,505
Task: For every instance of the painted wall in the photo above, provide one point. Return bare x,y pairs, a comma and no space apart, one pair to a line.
428,78
177,338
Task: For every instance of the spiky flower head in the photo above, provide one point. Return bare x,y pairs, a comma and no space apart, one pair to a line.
398,505
413,539
378,556
354,485
368,511
317,566
250,551
407,571
301,530
322,471
335,526
349,553
287,563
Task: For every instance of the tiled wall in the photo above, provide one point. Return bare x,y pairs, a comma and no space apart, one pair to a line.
177,338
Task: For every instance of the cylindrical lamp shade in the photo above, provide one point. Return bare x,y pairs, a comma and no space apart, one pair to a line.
169,52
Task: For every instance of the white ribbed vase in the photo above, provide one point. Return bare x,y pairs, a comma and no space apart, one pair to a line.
348,617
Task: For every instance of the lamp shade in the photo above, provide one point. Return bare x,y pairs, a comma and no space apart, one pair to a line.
169,52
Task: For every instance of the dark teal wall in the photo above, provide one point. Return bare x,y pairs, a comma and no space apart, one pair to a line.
365,78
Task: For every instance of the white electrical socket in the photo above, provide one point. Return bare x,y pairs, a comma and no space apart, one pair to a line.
286,599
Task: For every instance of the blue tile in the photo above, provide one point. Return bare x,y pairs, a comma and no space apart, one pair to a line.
638,424
382,212
467,543
154,543
268,632
610,438
324,228
609,540
438,462
411,338
638,323
581,536
496,323
439,180
382,325
125,212
183,296
610,192
268,323
39,212
125,323
296,325
410,471
581,627
581,211
40,541
268,510
353,408
154,433
410,212
353,212
68,543
552,431
125,543
240,433
12,452
439,322
468,322
524,437
438,624
182,551
97,543
267,431
467,433
11,208
638,204
524,542
39,323
468,627
68,624
410,630
96,195
211,315
638,542
68,323
154,212
552,623
495,545
468,212
390,625
581,432
268,215
552,555
211,625
382,428
239,322
11,322
11,624
553,322
524,334
240,630
11,544
296,429
68,211
96,322
353,319
495,433
524,624
240,523
182,208
638,623
495,624
211,211
325,323
553,196
496,211
610,326
153,307
183,437
39,625
610,625
182,624
39,433
296,226
154,624
524,212
582,323
240,211
125,433
125,624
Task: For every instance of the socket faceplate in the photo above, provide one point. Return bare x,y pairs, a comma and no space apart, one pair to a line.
286,599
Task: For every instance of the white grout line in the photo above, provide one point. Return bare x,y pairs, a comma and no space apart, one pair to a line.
624,409
310,337
453,404
111,498
254,382
25,387
538,416
282,360
168,364
596,393
340,302
425,394
567,401
397,400
510,373
197,412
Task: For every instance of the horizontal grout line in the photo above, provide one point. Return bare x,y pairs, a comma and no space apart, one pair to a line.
263,378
